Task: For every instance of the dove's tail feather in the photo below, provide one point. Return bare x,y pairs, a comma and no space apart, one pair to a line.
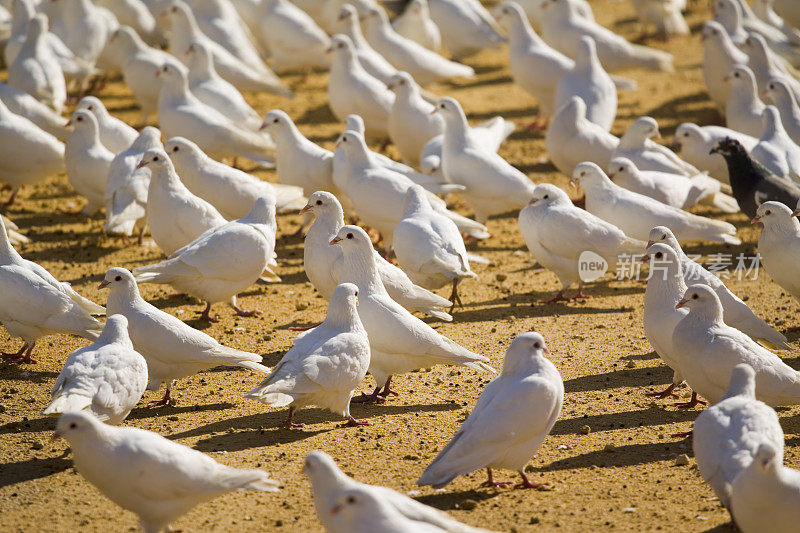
67,403
755,327
84,303
727,239
674,23
417,298
238,479
92,334
258,367
479,259
473,228
17,238
653,59
632,247
723,202
624,84
451,69
268,397
288,197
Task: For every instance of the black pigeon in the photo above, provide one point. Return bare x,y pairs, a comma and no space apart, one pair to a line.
753,183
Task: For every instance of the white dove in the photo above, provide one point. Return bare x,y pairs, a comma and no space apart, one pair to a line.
636,145
231,191
36,71
764,495
425,66
572,139
328,483
592,84
415,23
664,15
376,65
106,378
182,114
175,216
222,262
672,189
720,56
634,213
466,26
766,66
125,463
695,143
84,27
765,10
172,348
325,366
14,236
779,244
323,263
34,304
44,153
778,91
729,13
126,190
736,313
21,103
352,90
491,436
708,350
87,160
399,341
557,233
727,435
135,14
744,108
563,26
775,150
411,122
493,185
789,11
293,39
429,247
114,133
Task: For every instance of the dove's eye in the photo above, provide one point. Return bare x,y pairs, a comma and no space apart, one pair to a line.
583,173
351,499
768,212
275,121
735,74
663,237
118,278
546,196
80,119
175,149
621,169
73,425
155,158
319,202
349,235
537,345
694,297
356,293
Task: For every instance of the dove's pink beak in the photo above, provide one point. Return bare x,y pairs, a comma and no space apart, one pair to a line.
726,78
533,201
755,219
103,284
336,509
649,244
335,240
55,436
681,303
434,111
305,208
796,212
141,164
657,135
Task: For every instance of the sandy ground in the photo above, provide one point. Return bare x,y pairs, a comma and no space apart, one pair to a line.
622,475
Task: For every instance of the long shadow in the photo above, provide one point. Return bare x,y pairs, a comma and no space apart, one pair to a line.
652,416
634,377
484,82
15,373
628,455
151,412
450,500
321,114
30,469
37,425
727,527
525,310
245,440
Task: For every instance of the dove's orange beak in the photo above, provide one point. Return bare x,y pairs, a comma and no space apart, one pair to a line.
649,244
335,510
681,303
335,240
305,208
533,201
103,284
755,219
796,212
434,111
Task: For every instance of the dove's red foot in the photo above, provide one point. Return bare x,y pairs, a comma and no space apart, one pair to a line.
387,390
243,312
288,424
490,482
691,403
163,401
205,314
23,356
666,393
538,124
528,484
557,298
375,397
792,329
304,328
682,434
352,422
581,294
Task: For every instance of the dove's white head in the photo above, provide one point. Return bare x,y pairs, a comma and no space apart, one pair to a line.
555,10
767,458
415,201
702,302
771,122
326,482
452,113
126,39
173,75
574,111
664,235
546,194
119,281
156,159
326,208
587,53
77,427
402,84
353,239
342,309
665,265
94,105
589,176
741,76
178,11
728,13
347,13
183,150
642,128
200,57
776,217
359,508
354,122
778,91
37,27
342,48
262,212
688,133
756,47
374,15
622,167
511,17
277,122
84,126
742,383
714,32
115,330
148,138
354,146
525,353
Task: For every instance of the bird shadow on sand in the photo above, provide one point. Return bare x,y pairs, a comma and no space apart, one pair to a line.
30,469
507,114
627,455
485,82
18,373
647,356
144,411
319,115
37,425
727,527
652,416
634,377
452,500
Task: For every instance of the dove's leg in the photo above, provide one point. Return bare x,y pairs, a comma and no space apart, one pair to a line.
140,238
372,398
165,400
691,403
527,483
580,293
664,393
454,297
24,355
490,482
288,424
683,434
387,390
240,311
205,314
11,198
352,422
559,297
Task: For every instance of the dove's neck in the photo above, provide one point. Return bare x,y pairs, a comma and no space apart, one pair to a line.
353,30
325,227
710,313
358,156
741,385
673,243
114,332
521,35
201,67
455,129
7,252
34,46
88,136
665,283
343,316
415,202
288,137
786,102
260,214
782,228
186,26
522,364
346,62
773,129
166,178
132,43
22,14
176,90
745,92
358,267
632,140
145,142
122,299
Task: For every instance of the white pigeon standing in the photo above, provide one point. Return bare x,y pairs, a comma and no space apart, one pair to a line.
222,262
325,366
664,15
429,247
21,103
87,160
399,341
635,213
125,463
215,92
114,133
127,186
765,66
720,56
352,90
293,39
637,145
765,10
789,11
764,495
135,14
44,154
231,191
466,26
175,216
775,150
411,121
84,27
415,23
491,436
140,63
676,190
425,66
328,483
36,70
572,138
779,244
34,304
592,84
493,186
695,143
730,14
782,97
727,435
172,348
736,313
708,351
563,26
347,23
323,263
298,161
557,233
106,378
744,108
182,114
